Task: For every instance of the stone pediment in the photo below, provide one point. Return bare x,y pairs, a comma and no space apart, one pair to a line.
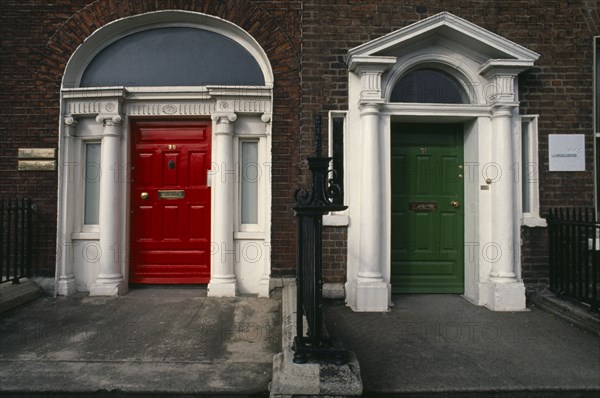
450,31
484,63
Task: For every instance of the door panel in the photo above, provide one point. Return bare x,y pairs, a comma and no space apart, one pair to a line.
427,230
170,228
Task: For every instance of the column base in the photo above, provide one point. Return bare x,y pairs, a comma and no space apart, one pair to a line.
66,286
504,296
222,289
263,287
107,287
369,296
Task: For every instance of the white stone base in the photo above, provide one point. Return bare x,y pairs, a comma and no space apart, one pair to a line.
263,288
505,296
370,296
107,289
333,290
309,379
222,289
66,286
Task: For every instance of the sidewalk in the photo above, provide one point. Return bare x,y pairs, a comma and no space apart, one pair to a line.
175,341
159,341
442,344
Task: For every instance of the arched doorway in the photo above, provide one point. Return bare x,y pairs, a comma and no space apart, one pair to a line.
446,90
168,142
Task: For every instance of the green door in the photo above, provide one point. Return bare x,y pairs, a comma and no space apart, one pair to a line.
427,208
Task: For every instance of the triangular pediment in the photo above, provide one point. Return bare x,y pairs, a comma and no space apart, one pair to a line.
450,31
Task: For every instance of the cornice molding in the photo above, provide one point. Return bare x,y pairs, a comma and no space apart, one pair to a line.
160,102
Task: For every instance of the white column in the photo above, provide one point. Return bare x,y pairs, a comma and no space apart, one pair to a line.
264,288
501,250
505,291
371,289
222,281
110,280
66,278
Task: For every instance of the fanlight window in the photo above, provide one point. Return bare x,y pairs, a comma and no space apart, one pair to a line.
429,86
173,56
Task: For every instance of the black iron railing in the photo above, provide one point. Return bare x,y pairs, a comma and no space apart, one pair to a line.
15,239
310,206
575,255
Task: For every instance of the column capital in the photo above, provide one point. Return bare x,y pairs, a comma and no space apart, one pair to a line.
224,118
71,121
370,69
501,75
109,120
111,124
224,123
501,89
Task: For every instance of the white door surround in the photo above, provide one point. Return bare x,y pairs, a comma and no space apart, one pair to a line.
95,258
487,66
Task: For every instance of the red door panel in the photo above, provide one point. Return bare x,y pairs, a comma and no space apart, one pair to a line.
170,222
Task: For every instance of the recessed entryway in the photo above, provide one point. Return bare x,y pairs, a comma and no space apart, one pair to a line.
427,208
170,202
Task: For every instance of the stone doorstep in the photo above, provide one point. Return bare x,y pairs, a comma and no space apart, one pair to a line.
309,379
14,295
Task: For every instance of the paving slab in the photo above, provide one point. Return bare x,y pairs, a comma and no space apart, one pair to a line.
441,344
149,341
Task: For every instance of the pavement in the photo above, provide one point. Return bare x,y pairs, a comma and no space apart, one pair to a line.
151,341
442,345
178,342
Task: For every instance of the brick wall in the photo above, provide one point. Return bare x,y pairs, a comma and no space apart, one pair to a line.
558,88
334,254
306,42
37,39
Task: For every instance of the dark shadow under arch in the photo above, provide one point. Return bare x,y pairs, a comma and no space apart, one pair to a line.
429,85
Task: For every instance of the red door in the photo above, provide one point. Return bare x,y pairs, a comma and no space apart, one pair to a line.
170,221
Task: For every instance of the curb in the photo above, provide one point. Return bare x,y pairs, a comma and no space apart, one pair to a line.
569,311
13,295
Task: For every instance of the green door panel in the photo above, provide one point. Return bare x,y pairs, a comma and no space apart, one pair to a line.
427,231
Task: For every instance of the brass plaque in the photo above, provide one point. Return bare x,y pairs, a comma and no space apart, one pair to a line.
37,165
37,153
171,194
423,206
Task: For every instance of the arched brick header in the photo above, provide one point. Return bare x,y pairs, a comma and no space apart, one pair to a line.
279,46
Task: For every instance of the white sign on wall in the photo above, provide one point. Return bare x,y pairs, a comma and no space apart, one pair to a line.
566,152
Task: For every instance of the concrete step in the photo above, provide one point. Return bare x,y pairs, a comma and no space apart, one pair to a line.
13,295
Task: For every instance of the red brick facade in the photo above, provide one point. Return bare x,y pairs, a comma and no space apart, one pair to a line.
306,42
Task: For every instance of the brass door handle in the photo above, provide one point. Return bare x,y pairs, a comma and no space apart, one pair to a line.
144,195
455,203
